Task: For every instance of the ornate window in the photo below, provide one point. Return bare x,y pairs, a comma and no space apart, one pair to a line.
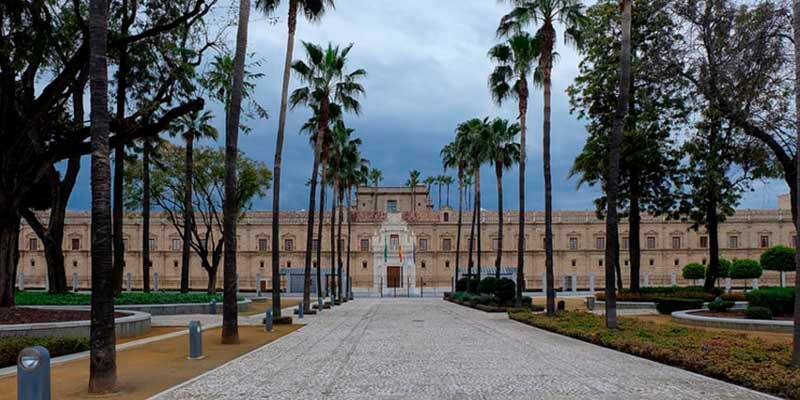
703,242
288,245
33,244
364,244
76,244
600,243
447,244
423,244
651,242
262,244
764,242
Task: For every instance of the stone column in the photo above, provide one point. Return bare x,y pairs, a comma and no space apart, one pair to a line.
755,284
544,283
129,282
674,279
74,281
564,282
155,281
574,283
727,285
646,279
258,284
591,282
21,282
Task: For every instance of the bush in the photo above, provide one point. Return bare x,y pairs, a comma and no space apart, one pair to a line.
527,301
778,258
505,291
669,305
758,313
461,285
780,301
745,269
125,298
483,299
694,271
487,285
724,268
461,296
11,346
720,305
691,292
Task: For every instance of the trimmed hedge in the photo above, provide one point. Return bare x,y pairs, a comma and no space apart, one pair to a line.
758,313
690,292
487,285
11,346
780,301
778,258
745,269
694,271
461,285
669,305
81,299
505,291
729,356
720,305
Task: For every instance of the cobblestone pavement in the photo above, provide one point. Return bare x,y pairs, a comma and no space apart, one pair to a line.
430,349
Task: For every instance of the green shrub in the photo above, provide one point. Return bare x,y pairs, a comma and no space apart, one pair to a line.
483,299
745,269
669,305
720,305
461,296
56,346
487,285
724,268
461,285
527,301
758,313
780,301
778,258
694,271
125,298
505,291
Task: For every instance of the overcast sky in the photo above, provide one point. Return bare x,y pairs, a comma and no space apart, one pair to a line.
427,69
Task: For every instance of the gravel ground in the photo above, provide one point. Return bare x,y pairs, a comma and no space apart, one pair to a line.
431,349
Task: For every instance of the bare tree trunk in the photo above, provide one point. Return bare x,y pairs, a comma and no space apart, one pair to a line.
186,251
499,260
312,197
612,225
634,227
796,184
102,357
9,254
146,216
276,172
711,213
230,312
523,122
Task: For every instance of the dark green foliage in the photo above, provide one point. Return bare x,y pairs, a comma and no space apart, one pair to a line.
461,285
76,299
720,305
669,305
11,346
778,258
527,301
488,285
724,268
780,301
694,271
505,290
745,269
758,313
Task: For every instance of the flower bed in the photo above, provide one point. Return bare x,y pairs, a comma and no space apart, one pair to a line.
56,346
690,292
749,362
83,299
488,303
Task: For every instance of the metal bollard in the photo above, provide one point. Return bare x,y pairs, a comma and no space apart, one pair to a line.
33,374
590,302
319,304
300,310
212,307
195,341
268,320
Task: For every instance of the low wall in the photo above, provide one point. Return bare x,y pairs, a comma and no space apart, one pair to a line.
687,317
134,324
180,309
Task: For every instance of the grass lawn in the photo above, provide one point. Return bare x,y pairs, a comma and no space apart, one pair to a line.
743,359
147,370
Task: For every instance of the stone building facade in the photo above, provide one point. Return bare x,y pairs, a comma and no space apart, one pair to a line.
397,248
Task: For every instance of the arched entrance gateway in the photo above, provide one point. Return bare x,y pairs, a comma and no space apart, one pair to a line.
394,258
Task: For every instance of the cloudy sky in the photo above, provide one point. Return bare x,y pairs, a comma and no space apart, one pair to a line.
427,69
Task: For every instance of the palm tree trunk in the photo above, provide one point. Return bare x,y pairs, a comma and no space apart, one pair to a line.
499,260
146,216
612,227
348,288
523,116
439,192
102,358
471,261
375,198
276,171
548,198
333,240
460,218
478,212
310,232
339,243
634,227
186,251
230,326
322,192
796,337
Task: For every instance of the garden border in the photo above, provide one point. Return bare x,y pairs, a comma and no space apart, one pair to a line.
686,317
135,324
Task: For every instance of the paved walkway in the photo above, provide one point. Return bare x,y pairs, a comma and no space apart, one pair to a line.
430,349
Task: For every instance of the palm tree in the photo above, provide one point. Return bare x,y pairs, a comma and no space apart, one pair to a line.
546,13
796,26
102,358
476,140
313,10
447,180
375,176
413,182
329,88
469,180
452,157
343,149
506,153
612,192
230,327
429,182
439,181
516,59
192,126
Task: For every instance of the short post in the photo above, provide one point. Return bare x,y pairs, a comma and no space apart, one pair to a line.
74,281
212,307
755,284
544,283
195,340
591,282
574,282
590,301
727,285
319,304
258,284
646,279
21,282
673,279
33,374
129,282
300,310
268,320
155,281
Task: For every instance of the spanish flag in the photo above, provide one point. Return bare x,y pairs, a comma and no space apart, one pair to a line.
400,249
